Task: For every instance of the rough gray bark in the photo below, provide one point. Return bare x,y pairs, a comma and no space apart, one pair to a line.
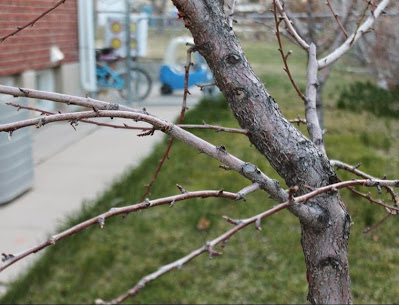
292,155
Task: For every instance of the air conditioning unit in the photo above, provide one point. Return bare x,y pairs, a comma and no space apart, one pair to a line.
16,162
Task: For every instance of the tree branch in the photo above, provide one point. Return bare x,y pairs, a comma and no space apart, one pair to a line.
32,23
248,170
283,55
207,248
290,28
64,98
364,28
337,19
312,120
231,13
146,128
354,170
238,225
100,220
180,120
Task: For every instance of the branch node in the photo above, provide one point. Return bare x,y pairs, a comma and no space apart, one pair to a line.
52,240
6,257
211,251
101,221
147,133
41,123
147,202
112,106
25,92
221,149
74,123
232,221
181,189
225,167
240,196
249,168
257,224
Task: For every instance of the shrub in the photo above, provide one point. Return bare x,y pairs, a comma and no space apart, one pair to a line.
366,96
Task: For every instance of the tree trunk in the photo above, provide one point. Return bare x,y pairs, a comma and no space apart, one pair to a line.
292,155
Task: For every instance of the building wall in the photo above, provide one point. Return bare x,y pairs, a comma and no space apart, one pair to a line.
30,48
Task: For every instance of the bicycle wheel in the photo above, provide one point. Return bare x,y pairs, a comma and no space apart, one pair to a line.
141,84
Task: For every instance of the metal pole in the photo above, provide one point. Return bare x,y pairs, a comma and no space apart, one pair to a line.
128,55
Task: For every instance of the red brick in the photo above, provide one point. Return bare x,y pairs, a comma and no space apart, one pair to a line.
29,49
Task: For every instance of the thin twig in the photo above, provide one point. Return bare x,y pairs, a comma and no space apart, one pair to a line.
231,13
214,127
359,32
248,170
290,28
207,248
337,19
359,173
32,23
377,224
100,219
374,201
283,55
180,120
86,102
239,224
146,128
45,112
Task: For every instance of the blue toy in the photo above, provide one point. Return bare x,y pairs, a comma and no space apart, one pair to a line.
171,74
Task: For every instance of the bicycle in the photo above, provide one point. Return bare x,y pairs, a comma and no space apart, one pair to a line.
107,77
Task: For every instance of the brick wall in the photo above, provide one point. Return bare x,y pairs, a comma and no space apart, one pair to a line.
30,48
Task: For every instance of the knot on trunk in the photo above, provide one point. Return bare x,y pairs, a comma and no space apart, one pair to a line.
232,59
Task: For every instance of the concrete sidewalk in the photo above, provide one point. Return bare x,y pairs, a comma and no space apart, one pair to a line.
71,166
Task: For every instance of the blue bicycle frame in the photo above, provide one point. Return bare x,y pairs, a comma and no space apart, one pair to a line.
106,77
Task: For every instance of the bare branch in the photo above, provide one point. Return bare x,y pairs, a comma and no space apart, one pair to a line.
207,248
203,85
145,128
213,127
354,170
334,40
302,43
249,189
181,118
298,121
312,120
364,28
296,24
100,219
377,224
248,170
231,13
78,116
337,19
281,50
374,201
64,98
239,225
32,23
124,126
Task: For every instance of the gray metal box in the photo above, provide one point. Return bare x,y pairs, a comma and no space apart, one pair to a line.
16,162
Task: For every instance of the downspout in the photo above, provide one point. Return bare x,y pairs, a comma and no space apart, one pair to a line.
87,46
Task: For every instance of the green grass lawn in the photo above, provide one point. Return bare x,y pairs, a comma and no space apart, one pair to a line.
256,267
